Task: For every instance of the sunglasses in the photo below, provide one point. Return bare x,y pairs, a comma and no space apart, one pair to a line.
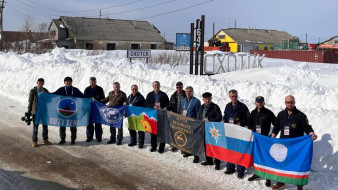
179,87
134,89
289,102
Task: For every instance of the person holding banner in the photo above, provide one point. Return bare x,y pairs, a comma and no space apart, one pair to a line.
291,123
236,113
68,90
96,93
136,99
175,102
260,122
32,106
189,108
210,111
158,100
116,98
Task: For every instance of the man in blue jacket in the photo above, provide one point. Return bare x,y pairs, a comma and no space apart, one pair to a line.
68,90
158,100
236,113
95,92
211,112
189,108
136,99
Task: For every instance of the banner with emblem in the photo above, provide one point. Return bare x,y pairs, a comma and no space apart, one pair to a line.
142,119
185,133
286,160
62,111
229,142
107,115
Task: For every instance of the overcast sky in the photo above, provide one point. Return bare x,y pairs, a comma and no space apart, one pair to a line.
319,19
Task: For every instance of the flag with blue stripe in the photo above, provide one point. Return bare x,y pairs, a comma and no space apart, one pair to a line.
63,111
107,115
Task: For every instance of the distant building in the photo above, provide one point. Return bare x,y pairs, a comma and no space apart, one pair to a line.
104,33
331,44
244,40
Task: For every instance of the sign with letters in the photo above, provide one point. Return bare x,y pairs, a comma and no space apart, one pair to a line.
138,53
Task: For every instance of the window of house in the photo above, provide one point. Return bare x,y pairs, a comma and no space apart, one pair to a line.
153,46
135,46
89,46
111,46
221,36
239,48
336,41
52,34
266,48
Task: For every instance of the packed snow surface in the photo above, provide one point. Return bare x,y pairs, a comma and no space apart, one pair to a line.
314,85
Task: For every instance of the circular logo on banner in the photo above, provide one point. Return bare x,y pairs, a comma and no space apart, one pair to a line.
110,115
180,139
278,152
66,107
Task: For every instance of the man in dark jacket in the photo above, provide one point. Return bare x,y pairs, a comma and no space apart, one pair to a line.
33,102
175,102
261,119
68,90
136,99
95,92
210,112
116,98
292,123
236,113
158,100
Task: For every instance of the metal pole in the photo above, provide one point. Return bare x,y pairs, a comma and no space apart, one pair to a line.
198,44
202,44
192,28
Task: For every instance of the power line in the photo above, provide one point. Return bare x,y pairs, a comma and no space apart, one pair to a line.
89,10
177,10
142,8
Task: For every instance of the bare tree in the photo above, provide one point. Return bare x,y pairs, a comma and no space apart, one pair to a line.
28,24
42,31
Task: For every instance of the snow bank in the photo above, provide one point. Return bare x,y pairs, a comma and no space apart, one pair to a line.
314,85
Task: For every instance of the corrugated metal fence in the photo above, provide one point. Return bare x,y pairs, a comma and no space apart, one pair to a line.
299,55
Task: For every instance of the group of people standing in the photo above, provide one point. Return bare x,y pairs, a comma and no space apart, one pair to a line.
290,122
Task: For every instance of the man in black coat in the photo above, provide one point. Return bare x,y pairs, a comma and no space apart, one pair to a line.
291,123
210,112
158,100
136,99
95,92
175,102
68,90
261,119
236,113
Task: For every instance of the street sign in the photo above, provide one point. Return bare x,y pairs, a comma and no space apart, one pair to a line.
182,41
138,53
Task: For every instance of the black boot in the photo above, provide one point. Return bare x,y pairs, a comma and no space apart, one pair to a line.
254,177
62,141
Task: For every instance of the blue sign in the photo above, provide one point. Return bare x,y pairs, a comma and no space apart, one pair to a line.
183,41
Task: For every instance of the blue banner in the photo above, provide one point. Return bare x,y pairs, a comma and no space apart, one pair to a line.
107,115
63,111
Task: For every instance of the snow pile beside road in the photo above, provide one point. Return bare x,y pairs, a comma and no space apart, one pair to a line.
314,85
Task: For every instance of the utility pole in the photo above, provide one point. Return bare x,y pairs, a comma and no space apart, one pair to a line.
2,6
235,24
100,13
305,37
213,29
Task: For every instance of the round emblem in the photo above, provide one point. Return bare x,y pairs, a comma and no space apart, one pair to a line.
180,139
110,115
278,152
66,107
293,125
